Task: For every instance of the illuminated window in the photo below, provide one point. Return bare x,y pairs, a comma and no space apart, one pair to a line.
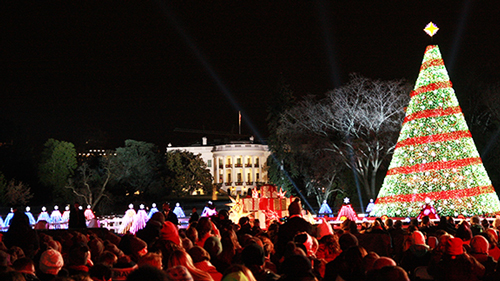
209,163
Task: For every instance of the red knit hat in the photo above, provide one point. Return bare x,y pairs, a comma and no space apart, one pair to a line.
479,245
324,228
454,246
418,238
169,232
51,261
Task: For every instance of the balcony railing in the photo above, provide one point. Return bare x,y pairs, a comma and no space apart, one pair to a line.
229,166
228,183
239,183
249,183
256,165
221,166
248,165
238,165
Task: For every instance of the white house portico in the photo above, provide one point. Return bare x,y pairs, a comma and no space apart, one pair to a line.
236,166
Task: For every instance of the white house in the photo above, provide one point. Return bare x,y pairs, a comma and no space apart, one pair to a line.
237,166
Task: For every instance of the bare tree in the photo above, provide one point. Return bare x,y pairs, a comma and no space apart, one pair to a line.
17,193
359,121
90,183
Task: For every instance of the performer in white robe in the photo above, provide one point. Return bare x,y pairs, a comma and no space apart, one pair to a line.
30,216
89,214
209,210
65,218
56,218
128,220
43,216
1,224
370,206
152,210
178,211
9,216
140,220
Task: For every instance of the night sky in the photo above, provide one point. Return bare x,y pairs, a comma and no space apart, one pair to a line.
117,70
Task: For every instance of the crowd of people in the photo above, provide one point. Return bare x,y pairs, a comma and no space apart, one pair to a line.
215,248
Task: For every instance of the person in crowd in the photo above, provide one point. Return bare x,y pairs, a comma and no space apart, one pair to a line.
329,248
479,250
455,264
228,250
204,228
77,217
21,234
151,259
253,258
150,273
298,268
169,214
496,224
475,226
96,247
492,237
383,262
26,267
133,246
445,225
389,273
166,248
268,247
180,257
224,222
348,265
294,225
185,241
100,272
192,233
244,228
398,236
464,232
78,258
369,261
108,258
427,227
170,232
201,260
123,268
238,272
51,262
418,254
194,215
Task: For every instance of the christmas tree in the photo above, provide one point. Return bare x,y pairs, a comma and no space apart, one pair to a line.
435,157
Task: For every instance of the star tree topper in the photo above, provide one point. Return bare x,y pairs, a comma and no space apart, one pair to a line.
431,29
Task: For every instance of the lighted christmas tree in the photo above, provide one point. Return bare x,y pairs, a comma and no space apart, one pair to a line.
435,156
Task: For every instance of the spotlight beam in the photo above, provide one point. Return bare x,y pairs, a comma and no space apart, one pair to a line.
171,17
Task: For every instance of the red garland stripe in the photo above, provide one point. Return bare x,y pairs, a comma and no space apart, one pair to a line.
440,165
429,63
431,87
441,195
433,113
435,138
